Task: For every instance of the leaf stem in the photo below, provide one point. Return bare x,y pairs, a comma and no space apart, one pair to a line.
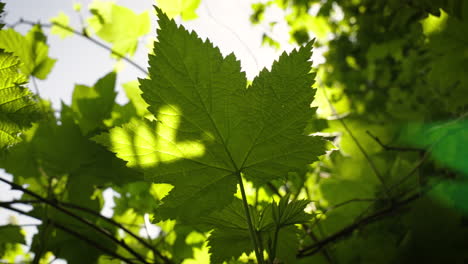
253,234
275,243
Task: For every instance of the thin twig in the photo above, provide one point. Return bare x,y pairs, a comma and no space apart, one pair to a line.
314,248
415,169
36,87
333,207
72,232
82,34
386,147
109,220
103,231
363,151
311,234
274,189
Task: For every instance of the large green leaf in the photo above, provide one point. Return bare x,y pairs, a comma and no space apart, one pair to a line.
32,50
17,108
209,127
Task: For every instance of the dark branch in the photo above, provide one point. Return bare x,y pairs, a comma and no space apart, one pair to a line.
84,35
313,249
311,234
358,144
71,232
333,207
103,231
109,220
392,148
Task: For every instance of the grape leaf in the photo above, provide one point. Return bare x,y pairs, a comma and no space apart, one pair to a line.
94,104
230,237
63,20
133,93
283,216
17,108
118,25
287,213
53,149
210,128
31,49
184,8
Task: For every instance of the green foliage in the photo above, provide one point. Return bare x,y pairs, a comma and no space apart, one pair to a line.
63,20
275,225
392,87
235,171
31,49
118,25
209,127
93,105
10,234
184,8
17,106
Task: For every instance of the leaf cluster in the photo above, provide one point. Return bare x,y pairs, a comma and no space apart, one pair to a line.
229,170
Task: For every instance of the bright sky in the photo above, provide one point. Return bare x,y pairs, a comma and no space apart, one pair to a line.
226,23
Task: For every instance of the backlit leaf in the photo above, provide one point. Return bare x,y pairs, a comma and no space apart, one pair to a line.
31,49
210,127
184,8
118,25
17,107
63,20
94,104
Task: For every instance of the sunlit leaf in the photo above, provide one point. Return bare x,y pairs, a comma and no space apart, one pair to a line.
118,25
31,49
17,107
209,127
184,8
63,20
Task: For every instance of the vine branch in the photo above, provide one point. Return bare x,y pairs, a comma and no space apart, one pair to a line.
389,148
314,248
77,217
83,35
109,220
109,252
358,144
